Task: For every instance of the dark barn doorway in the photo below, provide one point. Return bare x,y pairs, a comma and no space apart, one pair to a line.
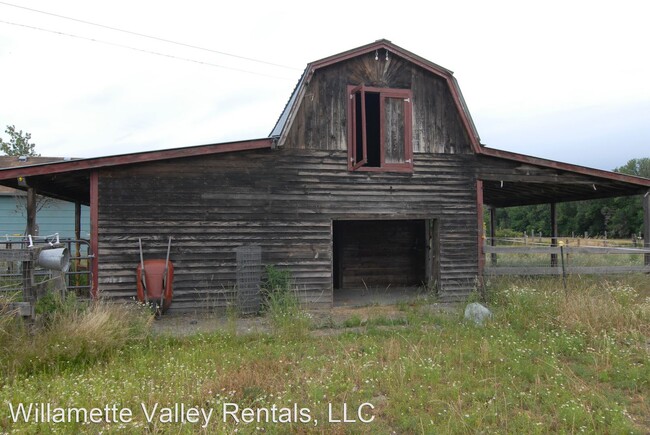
382,258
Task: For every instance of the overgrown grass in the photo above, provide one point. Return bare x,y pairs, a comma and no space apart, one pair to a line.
69,335
548,362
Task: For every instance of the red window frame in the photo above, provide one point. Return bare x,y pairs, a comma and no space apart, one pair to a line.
358,163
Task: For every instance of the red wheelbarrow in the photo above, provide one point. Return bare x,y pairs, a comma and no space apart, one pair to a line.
155,278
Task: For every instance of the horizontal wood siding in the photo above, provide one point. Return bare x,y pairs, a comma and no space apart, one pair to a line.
282,200
321,120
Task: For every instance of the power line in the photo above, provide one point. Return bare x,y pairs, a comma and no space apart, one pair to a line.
169,41
171,56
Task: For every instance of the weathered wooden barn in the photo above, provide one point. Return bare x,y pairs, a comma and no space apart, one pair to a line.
374,176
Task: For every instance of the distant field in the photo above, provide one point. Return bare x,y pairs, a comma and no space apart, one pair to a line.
549,361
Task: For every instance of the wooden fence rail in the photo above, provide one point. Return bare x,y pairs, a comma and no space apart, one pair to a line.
492,268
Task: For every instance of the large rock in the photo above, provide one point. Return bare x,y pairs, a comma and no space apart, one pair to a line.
477,313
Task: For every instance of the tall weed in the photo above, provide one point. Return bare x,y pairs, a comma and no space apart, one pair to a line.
76,336
282,303
612,308
10,324
600,307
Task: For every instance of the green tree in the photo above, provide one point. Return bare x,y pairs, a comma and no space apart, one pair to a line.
638,167
625,214
18,144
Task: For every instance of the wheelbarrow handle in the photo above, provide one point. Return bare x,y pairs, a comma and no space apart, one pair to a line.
143,276
169,248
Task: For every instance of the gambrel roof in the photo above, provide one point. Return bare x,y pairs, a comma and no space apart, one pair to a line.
284,122
509,178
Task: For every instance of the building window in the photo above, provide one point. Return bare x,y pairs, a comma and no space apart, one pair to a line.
379,130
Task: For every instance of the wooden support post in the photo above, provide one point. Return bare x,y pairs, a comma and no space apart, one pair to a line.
493,240
29,292
553,233
432,267
94,233
31,212
480,236
646,225
77,236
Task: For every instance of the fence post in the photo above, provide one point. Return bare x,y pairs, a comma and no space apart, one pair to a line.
563,268
553,233
646,225
493,241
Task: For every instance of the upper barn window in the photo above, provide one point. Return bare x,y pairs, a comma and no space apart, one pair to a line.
379,129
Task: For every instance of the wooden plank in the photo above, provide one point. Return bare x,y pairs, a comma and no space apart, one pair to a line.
603,250
526,271
605,270
24,309
487,249
15,255
584,270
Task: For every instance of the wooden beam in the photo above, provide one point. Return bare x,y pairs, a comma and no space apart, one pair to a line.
585,270
526,271
29,294
520,250
479,224
129,159
568,249
30,229
607,175
77,236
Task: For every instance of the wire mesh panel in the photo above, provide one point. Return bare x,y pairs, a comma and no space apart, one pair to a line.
249,275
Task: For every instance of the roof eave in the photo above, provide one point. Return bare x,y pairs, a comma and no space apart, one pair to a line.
538,161
133,158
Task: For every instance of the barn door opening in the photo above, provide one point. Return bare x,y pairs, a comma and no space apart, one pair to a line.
382,258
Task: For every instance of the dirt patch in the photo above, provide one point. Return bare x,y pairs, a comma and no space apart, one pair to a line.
324,322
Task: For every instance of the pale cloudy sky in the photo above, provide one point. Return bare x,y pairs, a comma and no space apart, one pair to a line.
566,80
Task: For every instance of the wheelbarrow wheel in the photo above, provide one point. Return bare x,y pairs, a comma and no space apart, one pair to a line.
157,310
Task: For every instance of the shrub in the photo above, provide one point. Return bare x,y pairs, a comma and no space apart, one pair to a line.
507,233
282,304
277,281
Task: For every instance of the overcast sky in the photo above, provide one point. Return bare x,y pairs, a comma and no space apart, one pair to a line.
565,80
